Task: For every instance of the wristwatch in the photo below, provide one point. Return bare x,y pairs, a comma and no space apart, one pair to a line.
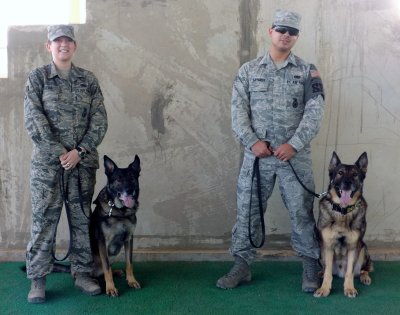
81,152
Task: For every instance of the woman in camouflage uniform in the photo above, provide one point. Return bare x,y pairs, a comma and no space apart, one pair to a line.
66,120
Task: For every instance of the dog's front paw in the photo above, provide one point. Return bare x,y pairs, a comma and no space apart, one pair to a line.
365,278
322,292
350,292
112,291
133,283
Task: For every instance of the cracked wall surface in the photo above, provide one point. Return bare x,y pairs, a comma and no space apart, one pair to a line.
166,70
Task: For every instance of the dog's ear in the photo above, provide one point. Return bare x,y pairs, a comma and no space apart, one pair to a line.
135,165
109,165
362,163
335,161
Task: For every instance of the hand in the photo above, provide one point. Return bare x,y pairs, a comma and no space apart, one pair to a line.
70,159
284,152
261,149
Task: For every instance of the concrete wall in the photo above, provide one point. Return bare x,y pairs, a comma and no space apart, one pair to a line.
166,69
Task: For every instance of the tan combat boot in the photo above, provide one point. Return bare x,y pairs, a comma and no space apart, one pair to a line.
37,293
311,279
239,273
86,284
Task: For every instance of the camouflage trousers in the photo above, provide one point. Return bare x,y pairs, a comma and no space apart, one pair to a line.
298,202
47,204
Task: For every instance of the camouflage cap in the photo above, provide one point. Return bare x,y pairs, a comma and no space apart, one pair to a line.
287,18
55,31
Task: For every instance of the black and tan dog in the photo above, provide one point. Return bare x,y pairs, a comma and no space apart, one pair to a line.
342,224
113,221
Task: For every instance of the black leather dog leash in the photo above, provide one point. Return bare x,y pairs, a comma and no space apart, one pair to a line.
64,193
304,186
256,172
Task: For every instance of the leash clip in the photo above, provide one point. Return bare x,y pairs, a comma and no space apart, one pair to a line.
321,195
111,205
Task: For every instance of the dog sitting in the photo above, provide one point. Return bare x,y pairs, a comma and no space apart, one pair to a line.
113,221
341,226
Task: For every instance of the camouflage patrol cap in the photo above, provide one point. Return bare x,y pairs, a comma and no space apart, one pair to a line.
287,18
55,31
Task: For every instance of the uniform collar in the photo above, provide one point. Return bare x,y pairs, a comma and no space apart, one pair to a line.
266,60
75,72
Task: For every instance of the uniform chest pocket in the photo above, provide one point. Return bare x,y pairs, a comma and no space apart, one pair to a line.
51,105
295,85
258,88
83,101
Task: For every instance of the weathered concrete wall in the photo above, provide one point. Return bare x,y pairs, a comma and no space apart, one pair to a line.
166,69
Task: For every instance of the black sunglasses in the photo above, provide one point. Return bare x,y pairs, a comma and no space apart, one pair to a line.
283,29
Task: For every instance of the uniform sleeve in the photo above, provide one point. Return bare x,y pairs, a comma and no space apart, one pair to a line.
313,111
241,111
98,119
35,119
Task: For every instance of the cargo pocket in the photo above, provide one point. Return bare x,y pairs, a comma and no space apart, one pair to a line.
246,172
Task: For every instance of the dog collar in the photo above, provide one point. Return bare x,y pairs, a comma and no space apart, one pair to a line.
125,214
111,205
343,210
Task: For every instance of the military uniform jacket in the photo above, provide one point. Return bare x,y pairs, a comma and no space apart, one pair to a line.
63,114
282,105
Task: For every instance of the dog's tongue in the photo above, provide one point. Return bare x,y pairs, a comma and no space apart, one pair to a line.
127,201
345,197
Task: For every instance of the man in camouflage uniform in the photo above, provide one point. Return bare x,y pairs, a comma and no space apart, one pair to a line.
277,107
66,119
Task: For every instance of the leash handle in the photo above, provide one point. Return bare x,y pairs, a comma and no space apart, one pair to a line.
256,172
64,193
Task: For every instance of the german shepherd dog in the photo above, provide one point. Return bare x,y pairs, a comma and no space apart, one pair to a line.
341,226
113,221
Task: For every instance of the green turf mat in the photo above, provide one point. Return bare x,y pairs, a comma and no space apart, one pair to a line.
189,288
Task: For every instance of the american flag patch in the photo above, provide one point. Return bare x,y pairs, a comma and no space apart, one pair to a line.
314,73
